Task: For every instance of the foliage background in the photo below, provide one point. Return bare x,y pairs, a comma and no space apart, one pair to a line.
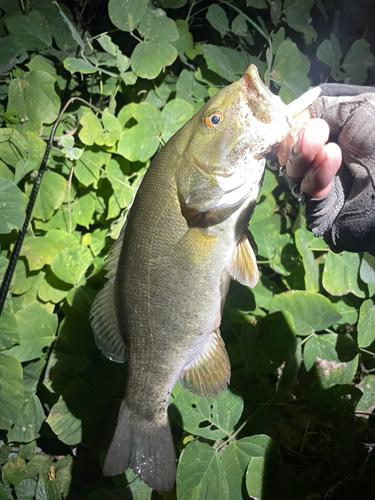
297,420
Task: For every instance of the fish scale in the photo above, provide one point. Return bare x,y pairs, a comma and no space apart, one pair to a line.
185,236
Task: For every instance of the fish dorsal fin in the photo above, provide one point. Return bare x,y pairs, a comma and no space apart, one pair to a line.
103,313
244,264
209,374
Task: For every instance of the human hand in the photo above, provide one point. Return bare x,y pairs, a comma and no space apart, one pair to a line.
307,154
336,179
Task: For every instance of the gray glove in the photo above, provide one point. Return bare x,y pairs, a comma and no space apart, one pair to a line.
346,217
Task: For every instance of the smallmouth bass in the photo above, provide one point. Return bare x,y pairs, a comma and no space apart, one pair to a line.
169,272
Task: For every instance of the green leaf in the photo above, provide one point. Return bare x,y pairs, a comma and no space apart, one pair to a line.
23,167
62,219
357,60
83,209
26,488
184,43
91,129
38,465
97,240
367,269
236,458
329,52
29,422
212,418
260,486
50,196
63,239
110,122
218,62
10,54
257,4
265,207
367,401
5,450
5,492
11,390
5,172
87,169
141,141
14,472
270,242
239,25
299,18
217,17
52,289
32,32
123,192
264,291
8,326
64,424
348,312
13,146
269,182
311,312
200,474
174,115
340,275
72,28
34,97
290,70
27,451
126,14
309,262
335,358
366,324
39,251
189,89
12,207
40,63
37,328
32,372
256,471
149,58
76,65
156,25
71,265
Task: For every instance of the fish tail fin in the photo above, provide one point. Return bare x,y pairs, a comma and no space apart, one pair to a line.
144,446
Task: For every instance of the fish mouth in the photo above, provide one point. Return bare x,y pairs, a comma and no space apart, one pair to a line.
259,97
254,85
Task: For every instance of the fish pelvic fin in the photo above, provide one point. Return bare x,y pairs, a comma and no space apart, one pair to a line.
146,447
244,264
103,313
209,374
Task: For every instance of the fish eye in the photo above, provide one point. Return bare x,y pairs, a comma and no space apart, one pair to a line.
213,119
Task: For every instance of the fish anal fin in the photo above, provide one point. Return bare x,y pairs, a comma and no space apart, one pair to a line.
209,374
244,264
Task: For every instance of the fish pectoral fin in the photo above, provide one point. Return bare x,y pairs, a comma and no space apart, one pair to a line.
209,374
244,264
103,312
195,247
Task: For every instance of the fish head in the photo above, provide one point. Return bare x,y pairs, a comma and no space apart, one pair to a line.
227,142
